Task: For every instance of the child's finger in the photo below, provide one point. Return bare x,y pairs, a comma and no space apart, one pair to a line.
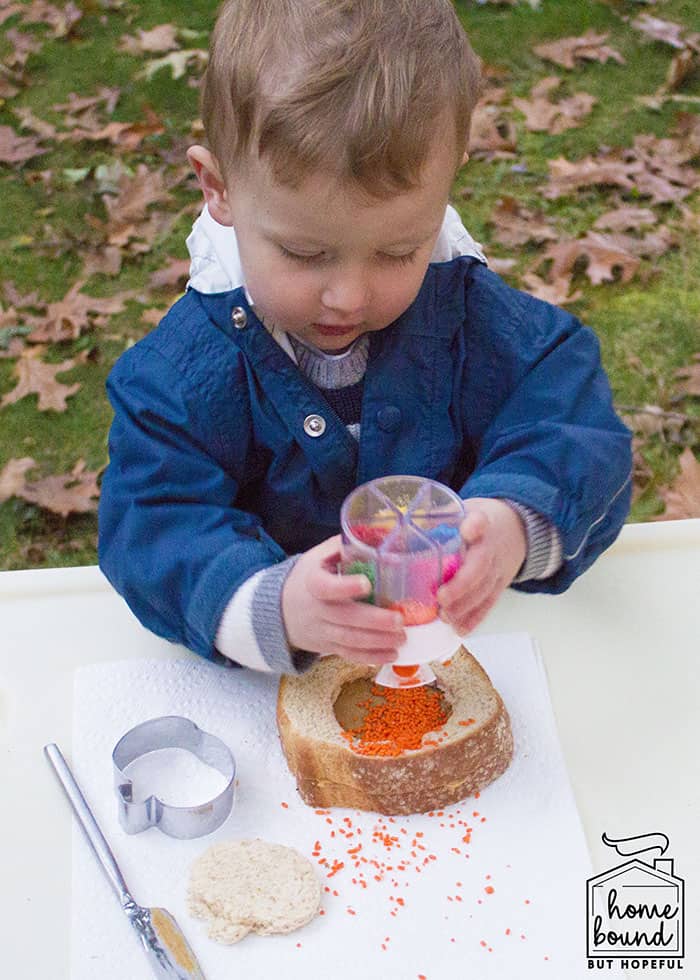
471,620
331,587
375,658
361,615
360,639
476,569
473,527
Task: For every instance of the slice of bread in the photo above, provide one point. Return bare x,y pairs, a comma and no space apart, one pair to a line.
462,759
243,886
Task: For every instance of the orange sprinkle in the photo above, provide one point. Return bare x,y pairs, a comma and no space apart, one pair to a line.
489,889
398,721
285,805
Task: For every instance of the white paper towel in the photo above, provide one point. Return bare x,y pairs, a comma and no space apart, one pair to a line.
490,888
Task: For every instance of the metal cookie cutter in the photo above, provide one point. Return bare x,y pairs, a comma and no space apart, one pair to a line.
183,822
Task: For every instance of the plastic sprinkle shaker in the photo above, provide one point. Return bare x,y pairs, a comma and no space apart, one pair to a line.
402,532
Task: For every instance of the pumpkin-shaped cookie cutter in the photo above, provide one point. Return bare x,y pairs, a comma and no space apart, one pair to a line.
182,822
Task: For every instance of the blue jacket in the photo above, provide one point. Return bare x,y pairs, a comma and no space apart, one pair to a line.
212,475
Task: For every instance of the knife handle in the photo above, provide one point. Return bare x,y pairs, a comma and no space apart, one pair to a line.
88,823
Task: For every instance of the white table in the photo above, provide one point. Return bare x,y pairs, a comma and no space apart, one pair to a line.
622,653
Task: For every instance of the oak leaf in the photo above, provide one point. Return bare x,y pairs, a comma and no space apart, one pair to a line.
625,218
177,61
12,477
22,46
503,267
60,19
70,493
36,377
588,47
156,41
9,11
556,292
544,116
666,31
602,257
516,225
16,149
78,105
492,135
682,498
175,273
66,318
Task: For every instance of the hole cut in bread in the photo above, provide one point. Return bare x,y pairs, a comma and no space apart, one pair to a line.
317,710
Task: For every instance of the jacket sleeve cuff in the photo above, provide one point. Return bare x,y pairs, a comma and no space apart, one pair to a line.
251,631
544,549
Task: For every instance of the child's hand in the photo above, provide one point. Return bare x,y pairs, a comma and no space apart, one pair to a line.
496,548
321,614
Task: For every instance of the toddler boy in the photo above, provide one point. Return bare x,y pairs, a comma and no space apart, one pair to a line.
341,325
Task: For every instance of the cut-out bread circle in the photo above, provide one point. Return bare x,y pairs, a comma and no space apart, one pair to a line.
318,711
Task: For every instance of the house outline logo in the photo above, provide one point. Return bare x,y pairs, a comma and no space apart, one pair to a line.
636,909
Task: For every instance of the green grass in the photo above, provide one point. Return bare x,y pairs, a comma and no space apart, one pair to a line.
648,328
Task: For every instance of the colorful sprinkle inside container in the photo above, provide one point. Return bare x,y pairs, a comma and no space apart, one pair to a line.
402,532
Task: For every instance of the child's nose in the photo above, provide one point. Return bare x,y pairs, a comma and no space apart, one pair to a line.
346,294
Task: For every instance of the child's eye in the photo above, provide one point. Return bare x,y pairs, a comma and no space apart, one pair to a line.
300,256
404,259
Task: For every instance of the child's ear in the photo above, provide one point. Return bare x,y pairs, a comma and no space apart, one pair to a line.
212,183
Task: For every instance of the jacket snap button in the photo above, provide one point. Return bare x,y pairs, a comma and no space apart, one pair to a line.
389,418
314,425
239,317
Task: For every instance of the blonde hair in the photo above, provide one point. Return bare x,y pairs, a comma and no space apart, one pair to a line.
353,87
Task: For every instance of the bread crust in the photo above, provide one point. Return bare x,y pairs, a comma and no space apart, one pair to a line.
329,773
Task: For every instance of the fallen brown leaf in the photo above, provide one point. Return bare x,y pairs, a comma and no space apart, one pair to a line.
492,135
516,225
663,30
106,261
556,292
625,218
68,317
682,65
544,116
603,259
175,273
655,168
12,477
16,149
689,377
43,129
22,46
642,473
588,47
652,420
153,315
682,498
60,19
71,493
78,105
9,11
7,89
127,135
36,377
156,41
